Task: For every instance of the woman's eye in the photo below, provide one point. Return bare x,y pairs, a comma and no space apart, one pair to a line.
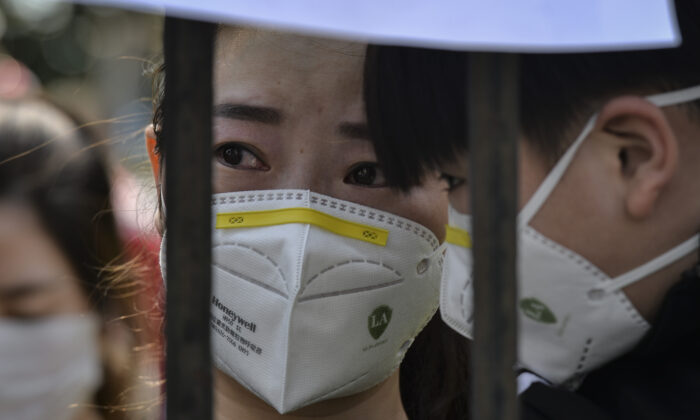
366,174
453,182
27,316
238,156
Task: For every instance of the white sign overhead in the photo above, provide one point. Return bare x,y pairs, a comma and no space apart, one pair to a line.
489,25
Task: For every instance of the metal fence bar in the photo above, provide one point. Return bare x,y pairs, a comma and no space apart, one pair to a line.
492,129
187,130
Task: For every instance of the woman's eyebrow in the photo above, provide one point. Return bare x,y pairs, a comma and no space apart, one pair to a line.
243,112
25,289
358,131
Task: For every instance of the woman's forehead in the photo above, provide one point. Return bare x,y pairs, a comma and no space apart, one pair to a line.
296,72
247,50
248,37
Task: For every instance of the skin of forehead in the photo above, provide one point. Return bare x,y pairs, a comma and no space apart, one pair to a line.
250,42
291,63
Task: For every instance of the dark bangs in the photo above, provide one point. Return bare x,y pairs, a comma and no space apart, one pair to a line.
416,109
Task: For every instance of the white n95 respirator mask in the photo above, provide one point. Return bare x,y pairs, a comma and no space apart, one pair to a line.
457,291
313,297
49,369
573,317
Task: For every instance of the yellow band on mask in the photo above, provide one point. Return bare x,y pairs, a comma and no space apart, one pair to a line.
457,236
325,221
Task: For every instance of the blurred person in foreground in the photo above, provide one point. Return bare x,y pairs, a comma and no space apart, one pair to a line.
609,277
69,330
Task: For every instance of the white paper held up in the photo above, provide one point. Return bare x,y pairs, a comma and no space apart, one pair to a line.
493,25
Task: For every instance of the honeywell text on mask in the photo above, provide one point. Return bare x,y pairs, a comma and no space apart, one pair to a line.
230,327
243,344
235,318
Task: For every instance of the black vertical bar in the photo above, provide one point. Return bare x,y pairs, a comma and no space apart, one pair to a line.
493,130
187,134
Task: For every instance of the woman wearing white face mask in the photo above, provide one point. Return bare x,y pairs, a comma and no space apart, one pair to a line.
323,277
66,353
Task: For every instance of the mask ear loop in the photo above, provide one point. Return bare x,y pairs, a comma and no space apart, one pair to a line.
698,263
426,262
675,97
439,251
162,200
534,204
649,267
545,189
161,259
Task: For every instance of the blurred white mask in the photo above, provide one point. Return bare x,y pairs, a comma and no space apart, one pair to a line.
49,369
457,291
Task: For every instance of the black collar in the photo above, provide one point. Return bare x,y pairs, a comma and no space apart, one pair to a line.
678,319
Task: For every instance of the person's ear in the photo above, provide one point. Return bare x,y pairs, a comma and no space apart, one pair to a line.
646,150
154,157
152,153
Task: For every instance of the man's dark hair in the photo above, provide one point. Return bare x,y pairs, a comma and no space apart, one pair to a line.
414,128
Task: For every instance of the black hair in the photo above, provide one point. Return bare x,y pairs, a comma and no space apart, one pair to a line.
416,107
434,375
558,92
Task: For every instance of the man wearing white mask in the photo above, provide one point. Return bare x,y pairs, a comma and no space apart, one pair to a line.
608,223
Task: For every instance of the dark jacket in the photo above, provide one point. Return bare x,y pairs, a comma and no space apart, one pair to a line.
658,380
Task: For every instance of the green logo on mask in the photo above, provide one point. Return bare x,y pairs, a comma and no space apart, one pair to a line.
378,320
538,311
